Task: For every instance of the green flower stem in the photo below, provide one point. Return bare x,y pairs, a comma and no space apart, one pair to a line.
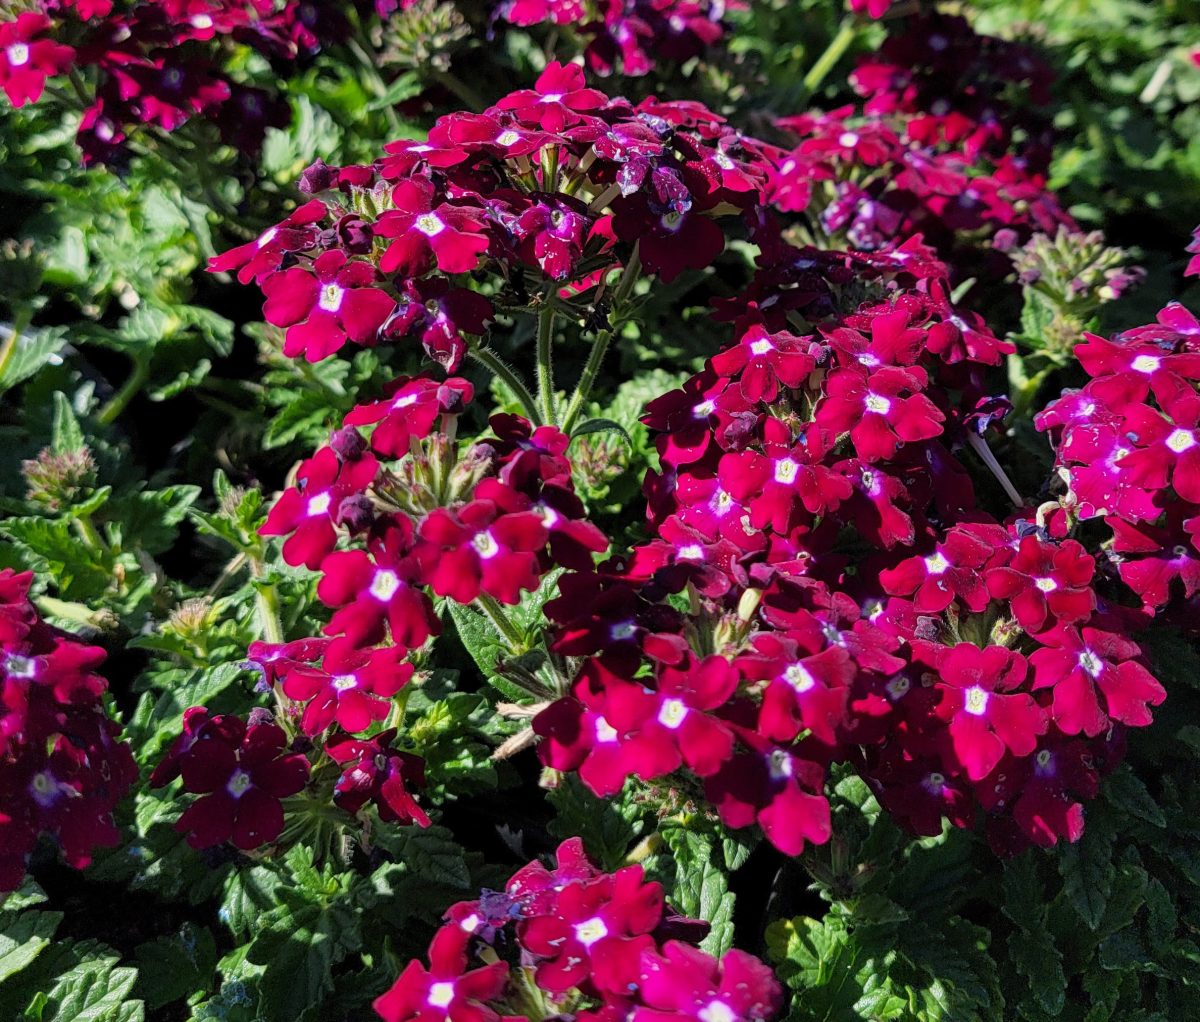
266,601
591,370
504,624
129,390
834,52
488,358
460,88
545,362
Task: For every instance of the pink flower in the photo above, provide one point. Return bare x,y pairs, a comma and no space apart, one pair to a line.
409,411
446,990
453,236
372,771
258,258
1046,580
1152,559
986,715
325,310
764,361
685,983
880,411
27,59
352,686
308,512
952,571
1082,664
557,100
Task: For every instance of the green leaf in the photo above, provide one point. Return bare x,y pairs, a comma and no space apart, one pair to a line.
1126,792
431,854
1087,870
66,434
94,990
478,635
29,351
1031,947
601,426
23,936
172,968
701,888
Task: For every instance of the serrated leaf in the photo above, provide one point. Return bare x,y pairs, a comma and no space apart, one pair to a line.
431,854
1031,946
23,936
172,968
602,426
1087,870
1126,792
701,888
95,990
24,353
66,434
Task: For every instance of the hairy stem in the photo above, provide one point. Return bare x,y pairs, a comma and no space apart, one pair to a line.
545,362
504,624
487,357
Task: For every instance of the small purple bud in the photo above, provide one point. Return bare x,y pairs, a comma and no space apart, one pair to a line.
356,513
259,715
348,443
317,178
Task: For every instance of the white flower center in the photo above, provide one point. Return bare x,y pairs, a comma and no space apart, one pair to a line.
898,686
1045,761
1091,663
761,347
441,994
18,54
622,631
508,138
976,701
44,789
319,504
672,713
202,21
692,552
798,677
721,501
704,409
345,682
1145,364
1046,585
936,564
1181,440
779,765
331,297
384,585
20,666
877,403
605,732
590,931
848,140
785,471
716,1011
429,224
238,784
485,545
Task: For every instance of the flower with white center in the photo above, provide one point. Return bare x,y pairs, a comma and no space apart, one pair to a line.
691,552
898,686
704,409
1181,440
761,346
20,666
508,138
330,299
429,224
877,403
590,931
605,732
623,631
485,545
1046,585
936,563
384,585
672,713
848,140
345,682
319,504
238,784
440,995
785,471
18,54
721,502
716,1011
1145,364
798,676
202,22
550,97
1091,663
976,701
779,765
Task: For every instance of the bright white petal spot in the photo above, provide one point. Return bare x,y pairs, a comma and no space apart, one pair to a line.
716,1011
1091,663
605,732
1145,364
976,701
590,931
18,54
1046,585
331,297
877,403
798,676
319,504
508,138
692,552
785,471
440,995
345,682
429,224
848,140
672,713
384,585
761,346
936,564
267,236
1181,440
485,545
238,784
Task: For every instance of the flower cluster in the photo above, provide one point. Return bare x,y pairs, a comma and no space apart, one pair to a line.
852,598
574,940
630,36
1128,449
932,150
160,63
62,769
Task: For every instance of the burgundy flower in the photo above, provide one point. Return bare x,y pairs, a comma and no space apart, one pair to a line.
986,715
375,772
242,773
324,309
409,410
27,58
440,316
1167,452
381,584
308,512
446,990
1046,581
953,570
352,686
1150,559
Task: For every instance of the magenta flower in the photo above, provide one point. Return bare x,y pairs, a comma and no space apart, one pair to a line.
241,772
1046,581
952,571
258,258
325,309
685,983
352,687
478,548
309,512
1152,559
446,990
880,411
27,58
986,715
409,411
452,236
1167,450
765,361
383,584
596,933
557,100
1082,665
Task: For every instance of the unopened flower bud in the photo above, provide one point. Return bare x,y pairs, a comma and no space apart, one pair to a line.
348,443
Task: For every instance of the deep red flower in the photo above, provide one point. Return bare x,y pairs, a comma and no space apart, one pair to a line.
27,58
352,686
446,990
685,983
880,411
557,100
258,258
953,571
427,231
373,771
1046,582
